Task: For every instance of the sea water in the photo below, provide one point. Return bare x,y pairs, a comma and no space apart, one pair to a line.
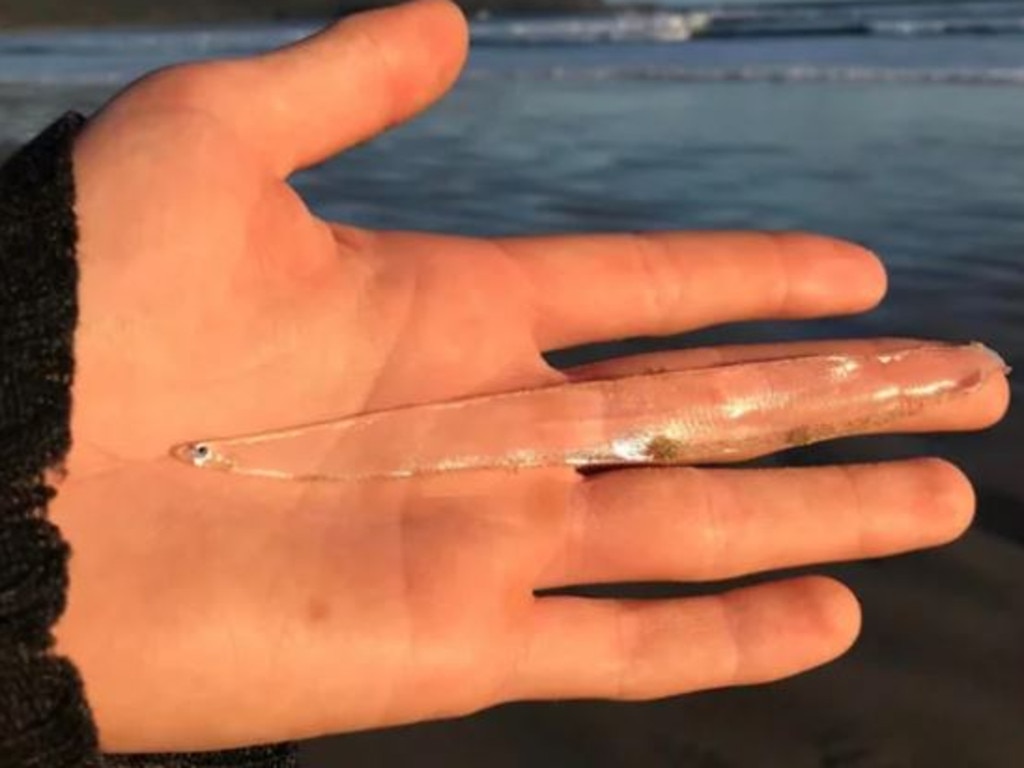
900,129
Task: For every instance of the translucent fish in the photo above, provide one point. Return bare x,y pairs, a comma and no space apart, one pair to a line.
715,414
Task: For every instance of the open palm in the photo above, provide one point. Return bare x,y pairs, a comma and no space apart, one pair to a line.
209,611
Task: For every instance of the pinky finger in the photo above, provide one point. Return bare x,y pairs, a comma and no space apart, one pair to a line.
647,649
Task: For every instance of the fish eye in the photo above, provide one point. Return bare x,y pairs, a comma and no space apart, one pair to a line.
201,454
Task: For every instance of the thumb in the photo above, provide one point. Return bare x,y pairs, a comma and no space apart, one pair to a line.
302,104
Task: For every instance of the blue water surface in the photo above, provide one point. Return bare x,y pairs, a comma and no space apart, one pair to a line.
908,141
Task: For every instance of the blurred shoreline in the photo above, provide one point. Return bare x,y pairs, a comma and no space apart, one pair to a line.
51,14
676,22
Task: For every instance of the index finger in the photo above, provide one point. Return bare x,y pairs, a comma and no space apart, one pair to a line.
599,288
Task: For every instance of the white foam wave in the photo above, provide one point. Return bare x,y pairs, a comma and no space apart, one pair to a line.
627,27
922,19
783,74
933,27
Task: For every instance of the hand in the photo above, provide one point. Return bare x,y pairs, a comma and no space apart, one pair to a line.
209,611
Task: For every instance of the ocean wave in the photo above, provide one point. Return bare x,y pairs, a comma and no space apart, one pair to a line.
655,73
131,42
780,74
867,18
112,78
932,27
665,27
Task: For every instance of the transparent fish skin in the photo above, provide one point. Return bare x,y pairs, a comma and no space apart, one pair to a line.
708,415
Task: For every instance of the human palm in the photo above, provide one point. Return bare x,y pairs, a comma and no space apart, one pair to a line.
210,610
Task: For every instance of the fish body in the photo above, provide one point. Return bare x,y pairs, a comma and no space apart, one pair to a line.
707,415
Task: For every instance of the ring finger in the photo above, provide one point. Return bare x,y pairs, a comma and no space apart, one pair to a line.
691,524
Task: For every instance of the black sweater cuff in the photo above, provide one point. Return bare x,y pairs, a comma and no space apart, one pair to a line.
278,756
44,719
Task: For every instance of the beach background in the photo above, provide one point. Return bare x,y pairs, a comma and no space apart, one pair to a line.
900,126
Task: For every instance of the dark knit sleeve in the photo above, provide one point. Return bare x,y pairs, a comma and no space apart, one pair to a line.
279,756
45,721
